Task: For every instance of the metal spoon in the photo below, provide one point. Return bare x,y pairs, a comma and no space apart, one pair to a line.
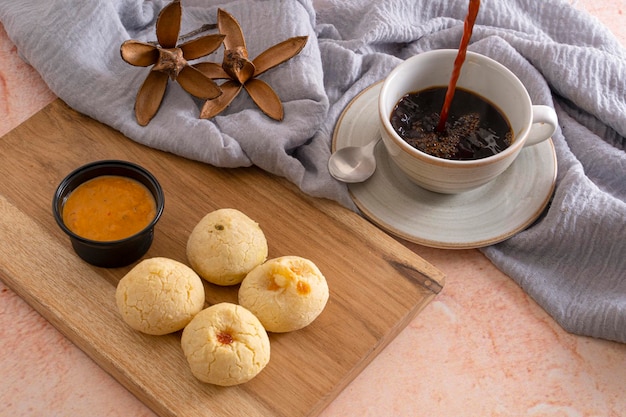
353,163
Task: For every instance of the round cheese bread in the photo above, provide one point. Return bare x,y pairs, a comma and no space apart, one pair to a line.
225,245
225,344
285,293
159,296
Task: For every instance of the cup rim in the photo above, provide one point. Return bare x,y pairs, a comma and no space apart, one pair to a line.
61,193
468,163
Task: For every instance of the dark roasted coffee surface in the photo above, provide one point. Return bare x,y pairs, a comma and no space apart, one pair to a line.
475,128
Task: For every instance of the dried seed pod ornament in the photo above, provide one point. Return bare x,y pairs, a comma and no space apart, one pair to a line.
239,72
170,61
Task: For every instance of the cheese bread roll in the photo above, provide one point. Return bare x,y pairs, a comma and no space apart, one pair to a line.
159,296
225,344
225,245
285,293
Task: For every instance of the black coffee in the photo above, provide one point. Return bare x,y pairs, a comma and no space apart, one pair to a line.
474,128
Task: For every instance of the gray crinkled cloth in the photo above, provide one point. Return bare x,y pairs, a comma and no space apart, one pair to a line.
572,261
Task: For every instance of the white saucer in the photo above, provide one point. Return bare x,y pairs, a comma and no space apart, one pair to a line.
477,218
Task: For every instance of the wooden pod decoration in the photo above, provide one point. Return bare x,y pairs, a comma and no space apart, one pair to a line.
240,71
150,96
170,61
278,54
266,98
139,53
168,24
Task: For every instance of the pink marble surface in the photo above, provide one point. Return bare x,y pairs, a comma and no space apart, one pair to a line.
481,348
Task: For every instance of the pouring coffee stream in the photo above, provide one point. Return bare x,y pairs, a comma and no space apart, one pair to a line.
468,28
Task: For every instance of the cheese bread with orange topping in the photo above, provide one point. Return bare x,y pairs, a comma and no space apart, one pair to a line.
225,344
285,293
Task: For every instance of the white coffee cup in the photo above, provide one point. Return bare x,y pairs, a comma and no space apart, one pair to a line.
488,79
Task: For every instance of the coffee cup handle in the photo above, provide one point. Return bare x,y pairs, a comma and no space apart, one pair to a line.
544,125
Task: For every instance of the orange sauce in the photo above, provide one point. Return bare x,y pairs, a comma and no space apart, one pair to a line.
109,208
303,288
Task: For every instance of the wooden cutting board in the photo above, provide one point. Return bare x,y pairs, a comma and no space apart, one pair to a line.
376,285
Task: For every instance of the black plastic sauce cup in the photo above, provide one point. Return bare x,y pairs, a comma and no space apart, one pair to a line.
115,253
